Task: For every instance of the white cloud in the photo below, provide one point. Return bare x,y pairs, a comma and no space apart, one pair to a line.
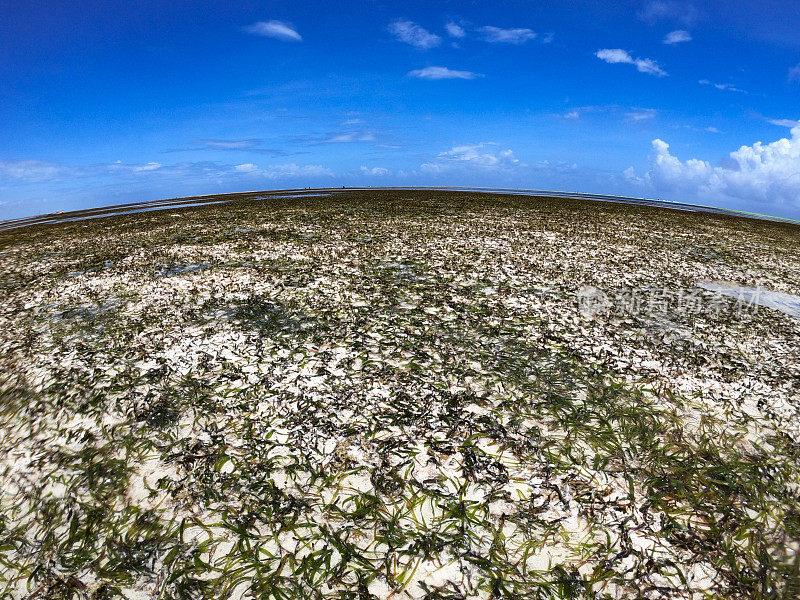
578,112
30,170
669,10
617,55
133,168
455,30
293,170
442,73
678,36
767,175
374,171
349,137
278,171
274,29
646,65
156,170
790,123
614,55
507,36
151,166
721,86
484,156
794,73
126,174
283,171
228,144
411,33
630,175
628,113
644,114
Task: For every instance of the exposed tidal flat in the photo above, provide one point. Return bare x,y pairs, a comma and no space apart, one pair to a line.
399,394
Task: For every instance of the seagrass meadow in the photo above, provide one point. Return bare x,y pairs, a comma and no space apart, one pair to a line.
398,395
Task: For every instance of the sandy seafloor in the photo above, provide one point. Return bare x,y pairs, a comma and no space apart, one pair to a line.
399,394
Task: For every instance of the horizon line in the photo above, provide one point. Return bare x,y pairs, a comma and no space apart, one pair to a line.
176,202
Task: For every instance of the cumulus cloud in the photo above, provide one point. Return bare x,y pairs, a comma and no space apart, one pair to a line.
413,34
721,86
643,65
455,30
794,73
614,55
274,29
442,73
484,157
30,170
246,168
506,36
761,174
678,36
374,171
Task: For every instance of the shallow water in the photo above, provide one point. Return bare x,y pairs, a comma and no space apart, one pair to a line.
99,213
786,303
281,196
140,210
169,271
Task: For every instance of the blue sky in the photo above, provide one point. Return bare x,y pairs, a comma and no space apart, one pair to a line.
107,102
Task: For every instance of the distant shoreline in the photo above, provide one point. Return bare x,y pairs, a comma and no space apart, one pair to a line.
173,203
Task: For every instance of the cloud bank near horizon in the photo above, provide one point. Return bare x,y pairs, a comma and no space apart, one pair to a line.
762,176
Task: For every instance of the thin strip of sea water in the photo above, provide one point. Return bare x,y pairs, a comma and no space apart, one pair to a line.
171,204
785,303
